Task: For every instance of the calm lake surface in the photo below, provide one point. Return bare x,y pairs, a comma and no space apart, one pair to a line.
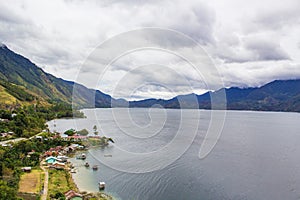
257,155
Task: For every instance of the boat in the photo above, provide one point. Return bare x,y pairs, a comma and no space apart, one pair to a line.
73,171
82,156
86,164
101,185
63,158
107,155
95,167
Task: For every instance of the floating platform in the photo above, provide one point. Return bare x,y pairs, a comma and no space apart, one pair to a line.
95,167
101,185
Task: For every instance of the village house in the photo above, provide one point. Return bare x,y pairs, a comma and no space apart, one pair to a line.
77,146
58,165
69,149
4,120
30,153
39,137
63,158
6,134
48,154
6,145
51,160
3,134
76,138
54,151
26,169
72,195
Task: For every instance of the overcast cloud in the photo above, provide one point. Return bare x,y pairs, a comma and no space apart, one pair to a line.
250,42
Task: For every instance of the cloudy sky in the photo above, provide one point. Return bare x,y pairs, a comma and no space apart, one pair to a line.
231,43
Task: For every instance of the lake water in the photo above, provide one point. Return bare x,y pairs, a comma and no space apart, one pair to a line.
256,157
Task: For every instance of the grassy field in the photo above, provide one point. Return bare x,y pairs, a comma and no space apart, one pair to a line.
60,181
31,182
5,97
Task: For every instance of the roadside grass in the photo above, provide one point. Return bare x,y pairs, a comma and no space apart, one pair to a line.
60,181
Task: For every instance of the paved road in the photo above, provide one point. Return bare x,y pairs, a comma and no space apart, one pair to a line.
45,191
13,140
18,139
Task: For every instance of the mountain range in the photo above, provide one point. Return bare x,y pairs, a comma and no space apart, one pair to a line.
23,82
279,95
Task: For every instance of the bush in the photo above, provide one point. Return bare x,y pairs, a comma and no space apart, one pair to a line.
83,132
70,132
59,196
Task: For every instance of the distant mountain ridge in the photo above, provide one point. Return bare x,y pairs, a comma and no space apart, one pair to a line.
21,80
279,95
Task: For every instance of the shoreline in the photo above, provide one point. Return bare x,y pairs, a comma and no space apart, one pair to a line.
100,194
81,184
200,109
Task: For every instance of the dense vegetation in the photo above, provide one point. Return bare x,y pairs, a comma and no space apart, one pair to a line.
17,91
28,98
26,82
15,157
30,120
65,184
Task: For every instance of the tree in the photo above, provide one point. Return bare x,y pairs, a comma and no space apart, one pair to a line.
6,192
59,196
70,132
19,132
83,132
95,130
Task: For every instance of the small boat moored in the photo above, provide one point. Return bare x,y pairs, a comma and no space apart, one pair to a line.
95,167
101,185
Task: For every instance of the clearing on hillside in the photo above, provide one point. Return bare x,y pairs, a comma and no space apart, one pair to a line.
31,182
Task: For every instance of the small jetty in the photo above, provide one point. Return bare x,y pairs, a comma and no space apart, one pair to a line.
82,156
101,185
86,164
95,167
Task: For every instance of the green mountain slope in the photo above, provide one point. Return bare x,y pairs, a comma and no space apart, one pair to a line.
24,81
